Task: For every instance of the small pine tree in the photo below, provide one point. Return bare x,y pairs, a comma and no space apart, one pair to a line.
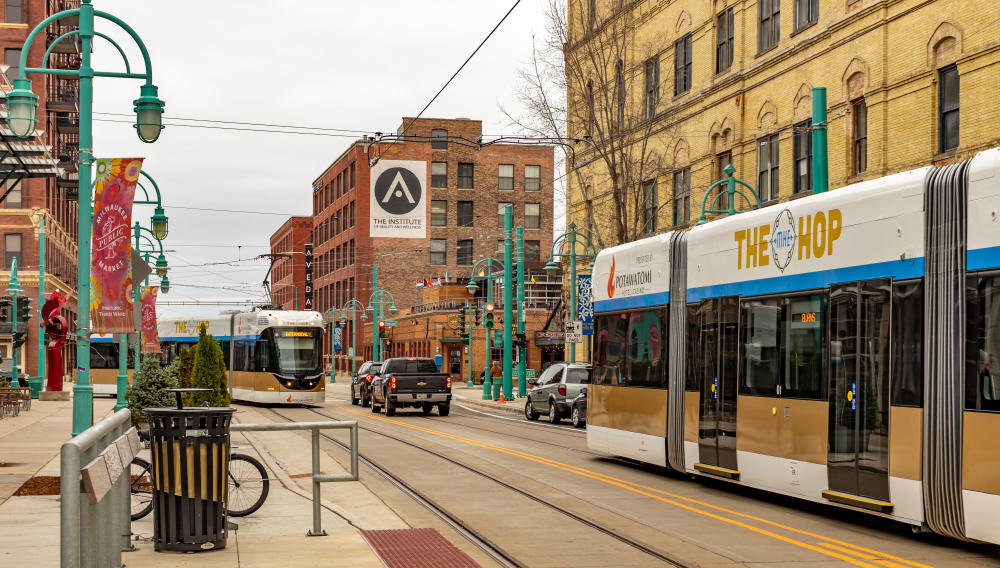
148,389
185,366
209,372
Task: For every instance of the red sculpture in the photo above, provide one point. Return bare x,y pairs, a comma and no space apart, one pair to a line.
55,326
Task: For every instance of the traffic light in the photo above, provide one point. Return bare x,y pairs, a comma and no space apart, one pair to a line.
23,308
6,314
18,338
461,320
381,324
488,317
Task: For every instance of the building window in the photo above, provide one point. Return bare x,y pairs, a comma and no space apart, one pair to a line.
439,174
770,24
501,207
506,176
12,59
650,206
352,251
532,215
724,41
439,254
620,94
682,65
465,175
352,214
13,199
682,197
532,251
463,256
532,178
947,108
652,86
859,114
11,249
352,174
767,168
721,161
465,215
802,175
439,213
439,139
13,13
806,12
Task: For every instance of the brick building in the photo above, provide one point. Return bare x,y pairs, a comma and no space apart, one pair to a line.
288,274
47,193
702,84
467,184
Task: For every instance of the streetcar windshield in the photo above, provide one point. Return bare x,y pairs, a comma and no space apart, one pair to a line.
298,351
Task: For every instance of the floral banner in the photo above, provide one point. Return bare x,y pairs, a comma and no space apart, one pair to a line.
111,246
150,338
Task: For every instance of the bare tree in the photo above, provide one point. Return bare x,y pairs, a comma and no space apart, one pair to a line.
599,86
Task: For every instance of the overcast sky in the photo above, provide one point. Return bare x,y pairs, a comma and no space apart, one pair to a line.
337,65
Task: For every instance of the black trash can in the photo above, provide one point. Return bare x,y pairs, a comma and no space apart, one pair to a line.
190,458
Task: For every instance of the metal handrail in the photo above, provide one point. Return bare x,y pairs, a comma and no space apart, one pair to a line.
317,477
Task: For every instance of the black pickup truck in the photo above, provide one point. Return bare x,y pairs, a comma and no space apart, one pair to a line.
412,382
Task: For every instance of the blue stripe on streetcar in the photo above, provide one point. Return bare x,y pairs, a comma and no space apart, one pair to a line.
641,301
979,259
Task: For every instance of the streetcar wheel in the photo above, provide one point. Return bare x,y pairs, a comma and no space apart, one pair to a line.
248,485
529,413
575,417
444,408
390,407
427,408
141,488
553,413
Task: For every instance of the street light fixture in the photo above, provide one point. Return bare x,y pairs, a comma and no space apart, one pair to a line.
165,284
22,104
148,114
159,223
161,266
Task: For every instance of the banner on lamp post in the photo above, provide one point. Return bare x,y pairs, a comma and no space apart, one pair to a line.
111,246
150,337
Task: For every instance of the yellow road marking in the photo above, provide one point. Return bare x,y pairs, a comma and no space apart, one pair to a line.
869,557
652,493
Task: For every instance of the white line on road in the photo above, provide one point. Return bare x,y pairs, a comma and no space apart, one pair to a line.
518,420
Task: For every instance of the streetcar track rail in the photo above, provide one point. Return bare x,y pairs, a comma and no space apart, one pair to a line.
596,525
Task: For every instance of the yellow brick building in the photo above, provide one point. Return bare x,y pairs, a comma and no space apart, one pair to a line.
708,82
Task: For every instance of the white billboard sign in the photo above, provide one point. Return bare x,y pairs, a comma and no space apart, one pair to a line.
399,199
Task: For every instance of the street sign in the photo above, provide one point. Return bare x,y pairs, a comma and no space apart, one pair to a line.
574,331
391,323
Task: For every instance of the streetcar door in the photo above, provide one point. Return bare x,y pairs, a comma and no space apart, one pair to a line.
717,359
858,456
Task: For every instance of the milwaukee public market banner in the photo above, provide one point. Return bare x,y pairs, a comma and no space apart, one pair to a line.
111,246
399,199
150,337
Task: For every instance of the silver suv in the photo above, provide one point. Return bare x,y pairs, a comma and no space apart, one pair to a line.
554,391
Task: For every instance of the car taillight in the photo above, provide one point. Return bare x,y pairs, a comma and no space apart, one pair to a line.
562,390
447,383
392,383
368,378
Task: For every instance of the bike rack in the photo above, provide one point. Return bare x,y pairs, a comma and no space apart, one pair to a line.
317,477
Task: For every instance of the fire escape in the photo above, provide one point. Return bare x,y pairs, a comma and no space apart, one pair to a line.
62,103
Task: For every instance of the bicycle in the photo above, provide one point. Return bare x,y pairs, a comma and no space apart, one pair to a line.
247,482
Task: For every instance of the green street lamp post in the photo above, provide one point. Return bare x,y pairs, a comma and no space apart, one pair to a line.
470,319
22,105
522,352
730,191
378,298
565,245
485,274
19,329
36,382
508,303
355,307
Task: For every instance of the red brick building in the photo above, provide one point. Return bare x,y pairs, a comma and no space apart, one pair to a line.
467,186
48,193
288,275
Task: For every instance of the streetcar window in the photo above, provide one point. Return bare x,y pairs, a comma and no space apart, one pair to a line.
982,347
908,343
691,369
805,347
104,355
647,349
763,347
609,351
298,354
263,356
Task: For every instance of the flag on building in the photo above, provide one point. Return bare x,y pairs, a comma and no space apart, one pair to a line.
111,246
420,283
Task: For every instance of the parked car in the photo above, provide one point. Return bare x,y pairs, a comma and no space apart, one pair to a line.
411,382
554,391
578,410
361,382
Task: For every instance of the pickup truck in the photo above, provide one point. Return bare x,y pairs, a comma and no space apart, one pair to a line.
411,382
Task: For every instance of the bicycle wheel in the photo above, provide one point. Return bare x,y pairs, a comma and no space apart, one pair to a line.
248,485
141,488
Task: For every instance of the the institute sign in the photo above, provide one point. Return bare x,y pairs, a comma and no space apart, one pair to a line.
399,199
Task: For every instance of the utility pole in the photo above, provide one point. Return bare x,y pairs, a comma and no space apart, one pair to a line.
377,312
508,300
821,171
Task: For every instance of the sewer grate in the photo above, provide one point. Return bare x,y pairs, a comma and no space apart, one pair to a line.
399,548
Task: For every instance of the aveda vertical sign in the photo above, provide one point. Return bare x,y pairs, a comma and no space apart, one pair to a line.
398,199
309,277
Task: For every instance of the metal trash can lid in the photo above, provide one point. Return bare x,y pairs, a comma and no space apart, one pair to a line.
188,409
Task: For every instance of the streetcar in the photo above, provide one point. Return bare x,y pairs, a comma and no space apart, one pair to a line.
104,364
842,348
272,356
